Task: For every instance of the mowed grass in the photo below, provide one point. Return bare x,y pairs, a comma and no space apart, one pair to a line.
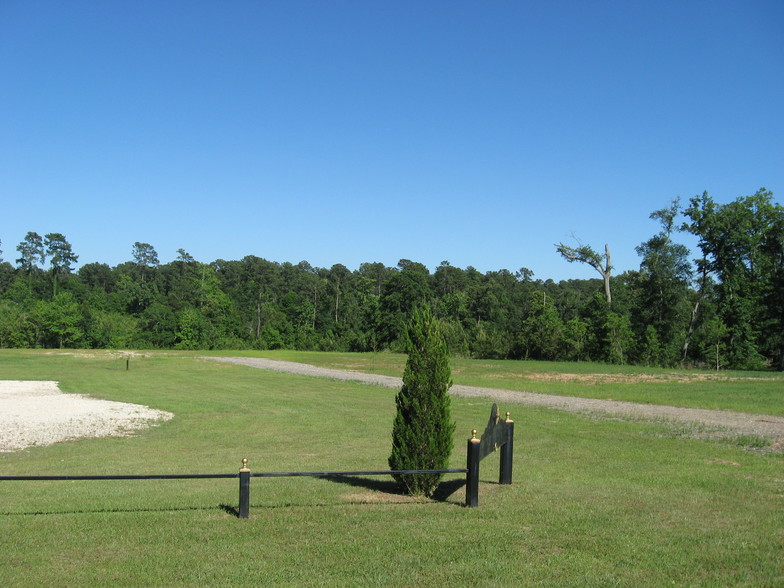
752,392
594,502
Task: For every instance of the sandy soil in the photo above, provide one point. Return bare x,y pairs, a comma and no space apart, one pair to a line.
38,413
705,423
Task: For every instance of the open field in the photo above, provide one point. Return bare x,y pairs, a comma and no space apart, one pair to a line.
758,432
595,501
753,392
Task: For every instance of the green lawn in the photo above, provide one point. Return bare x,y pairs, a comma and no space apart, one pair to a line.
594,502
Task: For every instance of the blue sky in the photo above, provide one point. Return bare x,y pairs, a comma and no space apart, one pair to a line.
346,132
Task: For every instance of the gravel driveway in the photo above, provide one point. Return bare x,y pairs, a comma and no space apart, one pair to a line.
710,423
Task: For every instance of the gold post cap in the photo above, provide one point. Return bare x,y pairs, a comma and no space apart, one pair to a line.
244,467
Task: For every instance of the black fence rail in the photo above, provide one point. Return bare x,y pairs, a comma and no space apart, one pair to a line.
119,477
498,434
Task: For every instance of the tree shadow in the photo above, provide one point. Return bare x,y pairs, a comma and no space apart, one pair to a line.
446,489
443,492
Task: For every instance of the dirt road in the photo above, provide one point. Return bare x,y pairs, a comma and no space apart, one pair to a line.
711,422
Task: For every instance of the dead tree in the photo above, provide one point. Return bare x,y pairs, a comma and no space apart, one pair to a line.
586,254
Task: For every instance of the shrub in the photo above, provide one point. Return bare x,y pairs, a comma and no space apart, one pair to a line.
422,433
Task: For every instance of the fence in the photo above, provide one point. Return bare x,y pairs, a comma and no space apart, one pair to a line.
498,434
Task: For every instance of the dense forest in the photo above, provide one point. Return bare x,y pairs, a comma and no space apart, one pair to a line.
721,306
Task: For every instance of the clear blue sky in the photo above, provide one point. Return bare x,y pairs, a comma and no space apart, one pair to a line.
343,132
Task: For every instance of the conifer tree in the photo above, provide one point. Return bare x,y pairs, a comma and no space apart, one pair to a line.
422,433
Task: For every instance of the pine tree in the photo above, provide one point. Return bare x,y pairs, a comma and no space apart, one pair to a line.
422,433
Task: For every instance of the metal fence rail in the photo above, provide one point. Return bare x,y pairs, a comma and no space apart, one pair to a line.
325,474
356,473
244,476
120,477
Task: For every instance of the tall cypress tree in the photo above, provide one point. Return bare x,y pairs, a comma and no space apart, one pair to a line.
422,433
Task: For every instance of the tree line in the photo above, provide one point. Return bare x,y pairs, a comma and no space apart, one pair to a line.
722,308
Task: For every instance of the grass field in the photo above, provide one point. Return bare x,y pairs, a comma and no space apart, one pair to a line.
594,502
753,392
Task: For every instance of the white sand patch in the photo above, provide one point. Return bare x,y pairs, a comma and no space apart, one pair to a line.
39,413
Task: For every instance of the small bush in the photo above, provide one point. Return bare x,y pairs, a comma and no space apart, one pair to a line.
422,433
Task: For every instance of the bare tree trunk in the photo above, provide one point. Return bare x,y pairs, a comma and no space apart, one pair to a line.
258,316
691,329
694,312
315,301
337,299
606,274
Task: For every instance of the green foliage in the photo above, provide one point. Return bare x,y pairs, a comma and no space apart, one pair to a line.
490,342
741,243
31,252
60,255
713,342
402,293
575,339
652,352
113,330
422,430
58,321
16,326
158,324
619,338
192,330
543,329
455,337
660,315
661,292
134,295
145,257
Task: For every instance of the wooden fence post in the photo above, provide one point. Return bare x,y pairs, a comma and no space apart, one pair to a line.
472,476
507,453
244,509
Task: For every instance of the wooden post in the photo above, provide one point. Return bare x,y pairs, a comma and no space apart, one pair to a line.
244,509
507,453
472,476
